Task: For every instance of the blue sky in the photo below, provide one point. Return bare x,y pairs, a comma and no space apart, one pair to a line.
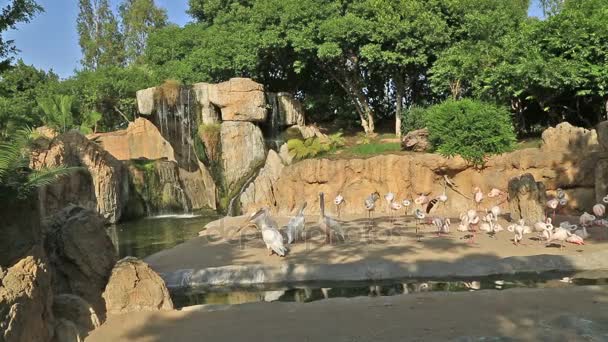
50,41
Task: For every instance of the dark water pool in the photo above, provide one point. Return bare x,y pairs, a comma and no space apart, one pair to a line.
305,293
147,236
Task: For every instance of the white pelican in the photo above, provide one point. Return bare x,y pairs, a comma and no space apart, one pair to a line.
599,210
389,198
270,232
338,201
327,223
295,226
420,215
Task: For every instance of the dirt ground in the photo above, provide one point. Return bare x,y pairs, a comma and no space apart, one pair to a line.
573,314
385,239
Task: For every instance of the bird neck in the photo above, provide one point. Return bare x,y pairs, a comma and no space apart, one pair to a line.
322,204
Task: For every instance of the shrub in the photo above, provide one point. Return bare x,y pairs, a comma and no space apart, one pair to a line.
413,119
169,91
470,128
312,147
210,135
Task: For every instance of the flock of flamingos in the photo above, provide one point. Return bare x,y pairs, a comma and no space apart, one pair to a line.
470,221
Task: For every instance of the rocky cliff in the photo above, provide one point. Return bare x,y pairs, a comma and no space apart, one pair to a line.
567,159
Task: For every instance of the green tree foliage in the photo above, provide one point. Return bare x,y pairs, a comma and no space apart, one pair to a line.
469,128
139,18
17,179
57,112
15,11
413,119
100,38
20,86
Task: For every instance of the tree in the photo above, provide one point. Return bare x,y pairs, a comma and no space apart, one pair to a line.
205,11
15,12
139,18
57,112
99,36
20,86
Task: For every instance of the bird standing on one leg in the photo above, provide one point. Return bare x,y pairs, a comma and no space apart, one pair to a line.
327,223
370,206
338,201
420,215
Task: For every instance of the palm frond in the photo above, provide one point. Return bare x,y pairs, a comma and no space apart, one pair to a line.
45,176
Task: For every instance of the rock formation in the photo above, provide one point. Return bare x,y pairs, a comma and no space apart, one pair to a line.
25,300
21,230
134,286
567,138
527,199
239,99
286,110
81,255
77,311
410,175
101,186
263,185
242,150
417,141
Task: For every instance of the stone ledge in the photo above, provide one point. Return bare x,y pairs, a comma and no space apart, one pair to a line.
473,266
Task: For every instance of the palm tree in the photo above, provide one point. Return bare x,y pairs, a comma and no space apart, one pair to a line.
16,176
57,112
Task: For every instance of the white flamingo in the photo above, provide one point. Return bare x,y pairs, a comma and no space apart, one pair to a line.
370,205
327,223
464,225
395,207
599,210
520,230
389,198
406,204
552,204
338,201
442,225
477,196
586,219
559,234
295,226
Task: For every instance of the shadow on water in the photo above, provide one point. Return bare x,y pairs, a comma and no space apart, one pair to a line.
150,235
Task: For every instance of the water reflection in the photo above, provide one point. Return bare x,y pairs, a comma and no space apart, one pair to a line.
150,235
315,292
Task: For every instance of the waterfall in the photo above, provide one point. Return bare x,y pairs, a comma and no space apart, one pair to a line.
274,140
231,210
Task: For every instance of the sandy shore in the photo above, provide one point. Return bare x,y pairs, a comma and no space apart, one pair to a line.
384,243
573,314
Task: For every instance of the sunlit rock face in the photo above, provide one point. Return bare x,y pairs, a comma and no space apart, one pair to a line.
101,186
243,150
238,99
568,161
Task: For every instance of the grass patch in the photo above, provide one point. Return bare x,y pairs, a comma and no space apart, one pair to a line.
372,149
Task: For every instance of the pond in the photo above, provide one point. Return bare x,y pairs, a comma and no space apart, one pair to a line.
147,236
305,293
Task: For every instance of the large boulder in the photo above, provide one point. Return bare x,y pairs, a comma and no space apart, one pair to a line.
141,139
527,199
77,311
286,110
263,186
567,138
81,255
243,150
134,287
239,99
21,229
102,185
417,141
25,300
145,100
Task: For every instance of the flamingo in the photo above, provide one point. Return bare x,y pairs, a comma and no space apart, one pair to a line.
464,223
477,197
552,204
338,201
605,199
420,215
443,225
370,205
494,193
559,234
421,200
495,210
389,197
327,223
599,210
575,239
542,228
395,207
406,204
472,220
270,232
295,226
520,230
586,219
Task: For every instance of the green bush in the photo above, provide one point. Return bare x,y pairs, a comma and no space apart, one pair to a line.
413,119
470,128
312,147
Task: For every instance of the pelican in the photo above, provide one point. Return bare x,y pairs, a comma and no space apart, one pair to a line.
477,196
270,232
295,226
327,223
370,204
406,204
420,215
338,201
586,219
389,197
599,210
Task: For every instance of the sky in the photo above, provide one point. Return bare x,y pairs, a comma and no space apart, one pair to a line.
50,40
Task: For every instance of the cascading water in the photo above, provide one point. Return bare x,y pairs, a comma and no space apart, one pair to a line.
274,139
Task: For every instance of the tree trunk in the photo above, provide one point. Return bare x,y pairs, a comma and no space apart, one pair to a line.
606,108
351,83
399,93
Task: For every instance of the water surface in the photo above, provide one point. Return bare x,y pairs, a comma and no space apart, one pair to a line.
147,236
